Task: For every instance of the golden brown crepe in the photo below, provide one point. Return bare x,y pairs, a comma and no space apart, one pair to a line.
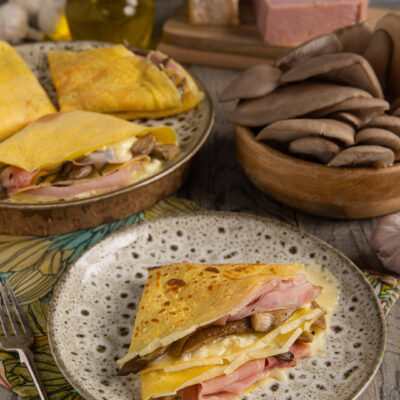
182,300
115,80
55,154
22,99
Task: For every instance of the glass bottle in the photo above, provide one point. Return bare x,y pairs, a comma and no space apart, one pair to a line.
119,21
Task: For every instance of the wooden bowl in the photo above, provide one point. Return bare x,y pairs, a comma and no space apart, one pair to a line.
317,189
192,127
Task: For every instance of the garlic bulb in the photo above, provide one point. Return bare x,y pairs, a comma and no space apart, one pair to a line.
386,241
14,24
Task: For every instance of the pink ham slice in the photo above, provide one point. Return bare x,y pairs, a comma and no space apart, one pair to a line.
277,294
114,181
228,387
13,178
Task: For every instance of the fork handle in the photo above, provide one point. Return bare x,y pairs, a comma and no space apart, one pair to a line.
26,357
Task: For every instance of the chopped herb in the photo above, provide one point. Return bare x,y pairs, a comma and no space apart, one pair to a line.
10,176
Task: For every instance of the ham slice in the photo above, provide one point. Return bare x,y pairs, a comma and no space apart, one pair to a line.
228,387
277,294
13,178
114,181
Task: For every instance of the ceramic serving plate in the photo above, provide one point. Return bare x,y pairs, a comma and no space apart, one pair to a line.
192,127
93,307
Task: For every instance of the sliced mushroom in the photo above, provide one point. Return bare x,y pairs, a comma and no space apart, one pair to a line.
320,323
342,68
212,332
355,38
384,121
144,144
166,152
138,363
390,23
306,337
80,172
266,321
363,108
317,148
324,44
380,137
363,156
347,117
292,101
255,82
287,357
378,53
291,129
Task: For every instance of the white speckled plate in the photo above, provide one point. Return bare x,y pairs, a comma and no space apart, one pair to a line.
93,307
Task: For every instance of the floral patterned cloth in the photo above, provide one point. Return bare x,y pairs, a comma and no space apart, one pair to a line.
33,265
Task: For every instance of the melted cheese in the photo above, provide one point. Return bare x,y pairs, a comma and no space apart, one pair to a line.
122,150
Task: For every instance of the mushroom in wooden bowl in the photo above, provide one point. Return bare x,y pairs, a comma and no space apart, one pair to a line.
320,129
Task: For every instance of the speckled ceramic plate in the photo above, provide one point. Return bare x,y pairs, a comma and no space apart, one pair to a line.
192,127
93,307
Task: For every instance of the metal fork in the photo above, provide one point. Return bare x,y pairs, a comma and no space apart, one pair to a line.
19,340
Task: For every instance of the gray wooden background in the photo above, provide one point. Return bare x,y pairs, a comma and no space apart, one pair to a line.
218,183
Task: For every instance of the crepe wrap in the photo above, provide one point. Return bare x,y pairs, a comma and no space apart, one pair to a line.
22,99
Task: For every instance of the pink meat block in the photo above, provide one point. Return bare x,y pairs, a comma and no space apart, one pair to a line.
293,21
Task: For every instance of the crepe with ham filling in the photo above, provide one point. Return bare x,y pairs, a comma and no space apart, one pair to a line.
209,332
78,154
22,99
123,82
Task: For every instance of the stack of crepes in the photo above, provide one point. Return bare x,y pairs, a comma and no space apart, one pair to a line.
210,332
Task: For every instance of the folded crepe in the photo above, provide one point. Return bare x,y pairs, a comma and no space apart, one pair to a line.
77,154
22,99
212,331
118,81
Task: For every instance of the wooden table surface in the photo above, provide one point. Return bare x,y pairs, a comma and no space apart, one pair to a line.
219,183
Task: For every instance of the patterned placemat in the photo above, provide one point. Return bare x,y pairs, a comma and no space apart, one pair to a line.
33,265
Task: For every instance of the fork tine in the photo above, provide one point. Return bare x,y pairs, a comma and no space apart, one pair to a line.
18,308
4,321
9,309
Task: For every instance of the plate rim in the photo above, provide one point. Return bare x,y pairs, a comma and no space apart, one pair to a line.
158,176
205,213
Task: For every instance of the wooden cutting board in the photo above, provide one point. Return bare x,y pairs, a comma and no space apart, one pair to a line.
236,47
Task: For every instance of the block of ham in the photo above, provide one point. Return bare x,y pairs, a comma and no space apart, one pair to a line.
214,12
294,21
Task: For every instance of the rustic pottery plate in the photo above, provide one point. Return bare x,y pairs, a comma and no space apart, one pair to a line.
93,307
192,127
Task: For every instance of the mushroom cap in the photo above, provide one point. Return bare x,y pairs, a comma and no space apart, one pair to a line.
384,121
291,129
363,156
380,137
355,38
343,68
378,53
292,101
347,117
396,113
363,108
255,82
321,149
324,44
390,23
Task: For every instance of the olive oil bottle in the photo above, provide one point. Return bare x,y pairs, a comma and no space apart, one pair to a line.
119,21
